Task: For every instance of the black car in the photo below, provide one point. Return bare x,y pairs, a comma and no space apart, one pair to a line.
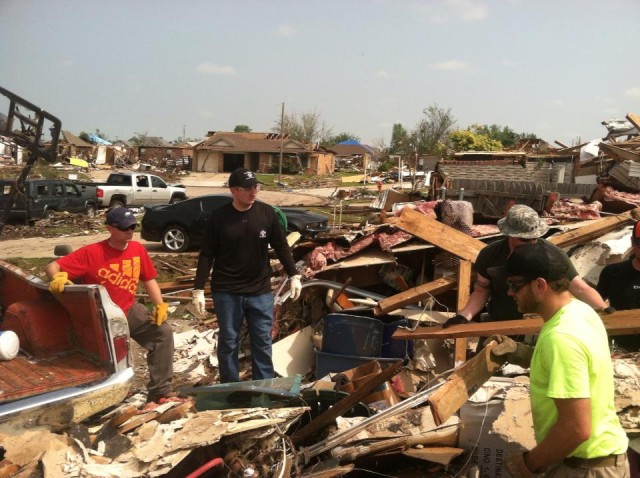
181,226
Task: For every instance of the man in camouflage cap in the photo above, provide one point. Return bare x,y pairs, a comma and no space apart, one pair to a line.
522,225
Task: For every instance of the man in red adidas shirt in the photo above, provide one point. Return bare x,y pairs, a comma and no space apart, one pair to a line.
120,264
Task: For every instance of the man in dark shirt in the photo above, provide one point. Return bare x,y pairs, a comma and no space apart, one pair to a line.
237,244
620,283
522,225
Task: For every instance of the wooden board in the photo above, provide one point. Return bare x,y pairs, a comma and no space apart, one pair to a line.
463,383
622,322
439,234
595,229
415,294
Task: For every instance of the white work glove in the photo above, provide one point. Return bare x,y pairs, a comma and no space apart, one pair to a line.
295,287
198,301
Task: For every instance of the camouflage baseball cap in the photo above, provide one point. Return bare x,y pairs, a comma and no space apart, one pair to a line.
523,222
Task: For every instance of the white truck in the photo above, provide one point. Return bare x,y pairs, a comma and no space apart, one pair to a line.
138,189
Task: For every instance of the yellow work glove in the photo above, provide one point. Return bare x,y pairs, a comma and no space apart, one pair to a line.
160,314
60,279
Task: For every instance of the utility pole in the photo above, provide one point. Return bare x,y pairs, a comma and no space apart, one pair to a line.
184,134
281,143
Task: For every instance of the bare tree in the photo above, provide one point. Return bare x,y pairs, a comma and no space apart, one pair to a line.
306,127
432,131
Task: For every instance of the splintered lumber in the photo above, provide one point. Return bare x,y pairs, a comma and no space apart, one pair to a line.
464,286
463,383
621,322
411,296
439,234
345,404
620,154
595,229
634,119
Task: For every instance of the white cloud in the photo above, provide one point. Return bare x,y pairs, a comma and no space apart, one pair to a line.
633,92
469,10
509,63
286,31
206,114
68,63
382,73
387,101
214,69
449,65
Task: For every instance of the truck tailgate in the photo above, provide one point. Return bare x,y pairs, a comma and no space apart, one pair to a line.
22,377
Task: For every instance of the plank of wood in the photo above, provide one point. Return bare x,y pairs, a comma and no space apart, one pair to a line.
464,290
463,383
595,229
415,294
439,234
621,322
634,119
327,417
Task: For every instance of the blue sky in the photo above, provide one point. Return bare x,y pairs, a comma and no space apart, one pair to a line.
553,68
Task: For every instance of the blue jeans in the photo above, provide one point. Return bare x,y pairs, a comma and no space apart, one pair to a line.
230,310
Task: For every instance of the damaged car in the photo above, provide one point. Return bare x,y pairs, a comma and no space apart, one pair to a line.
182,226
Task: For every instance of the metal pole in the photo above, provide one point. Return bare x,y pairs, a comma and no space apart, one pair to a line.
281,143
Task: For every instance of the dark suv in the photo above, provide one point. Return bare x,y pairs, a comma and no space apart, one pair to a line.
46,195
181,226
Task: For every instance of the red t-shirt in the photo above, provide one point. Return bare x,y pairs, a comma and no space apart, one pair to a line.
119,271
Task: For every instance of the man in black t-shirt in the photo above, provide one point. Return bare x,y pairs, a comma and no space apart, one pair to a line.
237,244
620,283
522,225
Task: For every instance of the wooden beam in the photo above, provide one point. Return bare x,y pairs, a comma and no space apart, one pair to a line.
328,416
464,290
463,383
634,119
619,153
439,234
595,229
622,322
411,296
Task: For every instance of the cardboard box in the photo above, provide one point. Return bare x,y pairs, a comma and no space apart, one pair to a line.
477,433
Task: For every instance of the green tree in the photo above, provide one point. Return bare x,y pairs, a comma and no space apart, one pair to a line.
399,139
84,136
467,140
504,134
242,128
431,133
339,138
306,127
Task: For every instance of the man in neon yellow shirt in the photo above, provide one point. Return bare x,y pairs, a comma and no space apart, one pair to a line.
572,393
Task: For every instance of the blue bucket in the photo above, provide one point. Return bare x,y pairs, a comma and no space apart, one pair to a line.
352,335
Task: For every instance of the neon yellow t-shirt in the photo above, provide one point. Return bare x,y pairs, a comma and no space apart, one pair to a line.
572,360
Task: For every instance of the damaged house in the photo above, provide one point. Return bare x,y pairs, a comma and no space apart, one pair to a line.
222,152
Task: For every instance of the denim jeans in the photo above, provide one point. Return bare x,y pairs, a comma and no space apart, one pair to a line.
230,310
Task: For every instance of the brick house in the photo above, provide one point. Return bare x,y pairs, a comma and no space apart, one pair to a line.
222,152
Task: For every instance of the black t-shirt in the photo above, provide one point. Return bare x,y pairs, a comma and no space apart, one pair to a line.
501,306
620,283
237,245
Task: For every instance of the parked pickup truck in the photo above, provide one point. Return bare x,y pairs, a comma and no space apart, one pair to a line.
137,189
74,359
42,196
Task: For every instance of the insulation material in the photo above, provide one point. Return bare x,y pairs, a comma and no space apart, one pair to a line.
590,259
485,429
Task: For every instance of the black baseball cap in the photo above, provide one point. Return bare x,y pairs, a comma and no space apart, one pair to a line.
242,178
531,261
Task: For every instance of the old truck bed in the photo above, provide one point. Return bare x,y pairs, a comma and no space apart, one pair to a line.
23,377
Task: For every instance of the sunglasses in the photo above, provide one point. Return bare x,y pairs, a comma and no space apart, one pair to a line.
130,228
516,284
